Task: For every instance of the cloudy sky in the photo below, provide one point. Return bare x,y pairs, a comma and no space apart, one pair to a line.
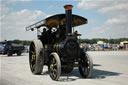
106,18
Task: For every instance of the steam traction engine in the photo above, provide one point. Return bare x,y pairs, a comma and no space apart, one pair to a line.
58,47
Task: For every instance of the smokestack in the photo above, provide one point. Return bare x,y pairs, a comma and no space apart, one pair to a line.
68,10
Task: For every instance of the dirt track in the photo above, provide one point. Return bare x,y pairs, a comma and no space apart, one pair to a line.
110,68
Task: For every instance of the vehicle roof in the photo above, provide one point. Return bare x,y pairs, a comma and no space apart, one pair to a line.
57,20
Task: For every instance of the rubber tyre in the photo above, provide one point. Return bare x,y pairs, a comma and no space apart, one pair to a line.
37,47
89,68
19,53
9,53
56,66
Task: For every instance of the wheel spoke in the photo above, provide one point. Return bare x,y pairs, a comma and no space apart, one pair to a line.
86,66
32,51
33,46
54,61
54,73
53,68
32,57
54,65
33,67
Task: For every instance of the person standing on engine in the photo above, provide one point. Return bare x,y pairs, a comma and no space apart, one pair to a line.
76,34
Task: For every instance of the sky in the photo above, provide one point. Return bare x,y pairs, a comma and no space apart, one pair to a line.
106,18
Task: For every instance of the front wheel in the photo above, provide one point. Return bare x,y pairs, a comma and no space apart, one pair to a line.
86,67
54,66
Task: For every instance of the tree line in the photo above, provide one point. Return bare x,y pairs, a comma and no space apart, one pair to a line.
23,42
88,41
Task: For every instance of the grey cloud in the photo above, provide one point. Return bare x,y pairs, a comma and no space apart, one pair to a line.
118,20
106,31
13,25
116,25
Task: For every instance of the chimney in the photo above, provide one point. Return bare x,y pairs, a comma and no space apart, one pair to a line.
68,10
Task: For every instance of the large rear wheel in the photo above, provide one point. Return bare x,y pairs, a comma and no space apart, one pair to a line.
86,67
36,59
54,66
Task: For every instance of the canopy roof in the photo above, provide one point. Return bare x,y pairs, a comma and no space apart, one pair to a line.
57,20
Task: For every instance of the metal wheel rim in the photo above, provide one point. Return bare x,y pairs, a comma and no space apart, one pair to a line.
85,67
53,68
